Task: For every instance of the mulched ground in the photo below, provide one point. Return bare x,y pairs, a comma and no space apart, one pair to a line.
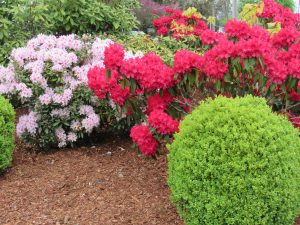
109,183
106,184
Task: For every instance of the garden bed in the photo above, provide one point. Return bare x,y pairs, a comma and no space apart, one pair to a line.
105,184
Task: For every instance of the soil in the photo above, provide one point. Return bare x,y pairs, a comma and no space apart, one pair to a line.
104,184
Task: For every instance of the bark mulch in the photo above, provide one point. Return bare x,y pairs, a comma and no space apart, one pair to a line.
105,184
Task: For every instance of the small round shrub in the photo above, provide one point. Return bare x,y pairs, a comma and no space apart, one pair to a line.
7,129
235,162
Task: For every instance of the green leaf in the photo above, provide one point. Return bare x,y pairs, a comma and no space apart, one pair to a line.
227,78
218,85
283,87
132,85
108,74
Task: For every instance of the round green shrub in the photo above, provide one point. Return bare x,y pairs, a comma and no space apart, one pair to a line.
7,130
235,162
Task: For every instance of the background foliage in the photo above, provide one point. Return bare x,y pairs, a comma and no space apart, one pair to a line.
165,47
22,19
285,3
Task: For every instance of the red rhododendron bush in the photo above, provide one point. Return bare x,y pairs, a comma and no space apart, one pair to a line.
243,60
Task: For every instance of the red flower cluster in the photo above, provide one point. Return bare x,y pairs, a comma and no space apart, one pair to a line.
295,120
257,32
295,96
162,122
119,95
285,37
237,29
275,12
251,48
185,61
210,37
175,23
142,136
158,102
99,83
113,56
149,71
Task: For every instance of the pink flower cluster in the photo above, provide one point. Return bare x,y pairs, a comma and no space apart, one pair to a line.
63,137
27,124
91,120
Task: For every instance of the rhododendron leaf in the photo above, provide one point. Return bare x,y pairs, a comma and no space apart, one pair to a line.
171,91
116,25
248,14
261,63
246,64
132,85
293,83
108,74
176,76
68,27
56,123
227,78
271,88
218,85
197,77
123,83
192,11
191,78
274,28
283,87
161,92
261,81
252,62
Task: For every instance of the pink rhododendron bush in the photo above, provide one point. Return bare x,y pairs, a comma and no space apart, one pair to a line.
243,60
49,75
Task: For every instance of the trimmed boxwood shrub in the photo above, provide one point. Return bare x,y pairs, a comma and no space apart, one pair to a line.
235,162
7,129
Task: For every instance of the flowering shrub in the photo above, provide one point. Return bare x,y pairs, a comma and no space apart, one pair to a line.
49,76
245,59
180,24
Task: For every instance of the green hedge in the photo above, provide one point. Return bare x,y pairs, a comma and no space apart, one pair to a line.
7,130
235,162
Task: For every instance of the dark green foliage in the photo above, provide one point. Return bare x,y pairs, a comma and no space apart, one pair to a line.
22,19
235,162
7,129
90,16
